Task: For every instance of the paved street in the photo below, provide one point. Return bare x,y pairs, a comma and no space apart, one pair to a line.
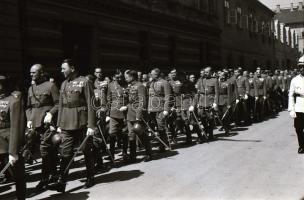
257,162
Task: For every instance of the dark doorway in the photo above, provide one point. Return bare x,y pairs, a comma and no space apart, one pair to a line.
77,45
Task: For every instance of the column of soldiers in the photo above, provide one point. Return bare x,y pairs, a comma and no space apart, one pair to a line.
102,117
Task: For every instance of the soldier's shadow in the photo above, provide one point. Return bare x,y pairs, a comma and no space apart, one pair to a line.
68,196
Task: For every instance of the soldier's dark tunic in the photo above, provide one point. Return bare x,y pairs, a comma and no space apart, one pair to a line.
208,95
159,101
260,93
137,108
75,114
225,101
242,113
12,126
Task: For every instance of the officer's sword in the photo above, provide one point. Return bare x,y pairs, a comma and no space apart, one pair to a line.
4,169
225,114
104,141
75,154
199,125
155,135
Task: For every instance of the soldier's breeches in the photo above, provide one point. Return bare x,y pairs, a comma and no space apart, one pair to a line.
116,125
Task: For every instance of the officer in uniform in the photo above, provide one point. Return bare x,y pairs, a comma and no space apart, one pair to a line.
251,96
243,92
137,106
12,125
260,96
208,101
76,116
43,97
117,97
225,100
159,104
100,104
176,85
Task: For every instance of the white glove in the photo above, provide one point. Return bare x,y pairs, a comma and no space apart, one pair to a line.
246,96
29,124
108,118
12,159
59,130
293,114
265,97
256,98
191,108
165,113
214,105
90,132
173,109
123,108
52,128
48,118
237,101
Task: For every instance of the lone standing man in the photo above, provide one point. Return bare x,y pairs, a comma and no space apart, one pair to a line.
296,105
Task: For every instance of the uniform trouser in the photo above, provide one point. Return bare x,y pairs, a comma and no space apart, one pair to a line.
207,119
159,120
187,121
144,138
241,112
260,109
18,173
69,141
225,119
98,145
170,125
299,126
117,125
48,153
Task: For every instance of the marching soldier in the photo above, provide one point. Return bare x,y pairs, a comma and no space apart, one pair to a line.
251,96
159,104
137,105
243,92
12,124
100,103
260,96
176,85
208,101
117,97
76,116
225,100
43,97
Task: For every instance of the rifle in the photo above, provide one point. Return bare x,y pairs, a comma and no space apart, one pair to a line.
4,169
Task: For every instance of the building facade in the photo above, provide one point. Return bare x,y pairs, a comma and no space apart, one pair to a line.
248,37
109,33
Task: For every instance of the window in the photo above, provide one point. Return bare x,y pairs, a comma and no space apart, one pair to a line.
238,16
227,11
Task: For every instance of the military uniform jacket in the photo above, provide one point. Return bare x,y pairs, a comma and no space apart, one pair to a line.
260,85
137,103
159,96
42,97
252,87
100,91
75,104
176,90
208,92
242,85
281,82
225,91
275,83
117,97
188,92
234,94
12,123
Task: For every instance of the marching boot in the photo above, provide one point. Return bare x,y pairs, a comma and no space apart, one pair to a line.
163,137
210,133
125,144
133,151
148,148
188,135
112,147
90,169
21,189
200,138
42,185
61,183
